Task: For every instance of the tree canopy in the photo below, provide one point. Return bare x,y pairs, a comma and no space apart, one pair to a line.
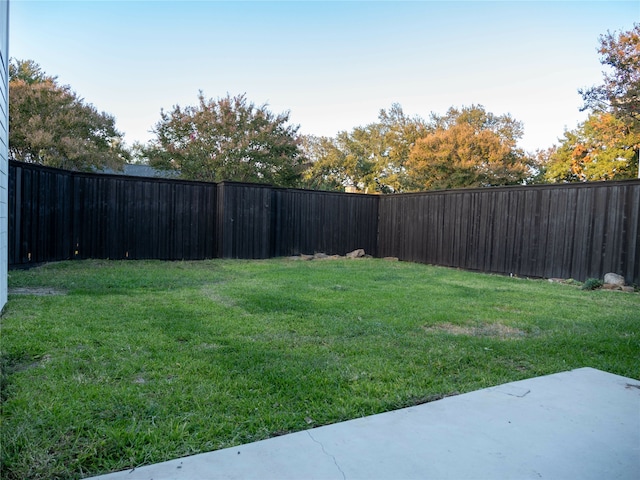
463,148
370,158
601,148
620,91
469,147
606,145
227,138
51,125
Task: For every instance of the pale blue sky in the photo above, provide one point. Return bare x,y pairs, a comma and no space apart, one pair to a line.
333,64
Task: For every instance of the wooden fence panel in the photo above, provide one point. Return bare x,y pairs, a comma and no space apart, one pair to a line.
568,231
245,221
59,215
259,221
630,234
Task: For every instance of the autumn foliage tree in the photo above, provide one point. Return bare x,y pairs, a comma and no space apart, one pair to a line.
227,139
51,125
469,147
599,149
620,91
606,145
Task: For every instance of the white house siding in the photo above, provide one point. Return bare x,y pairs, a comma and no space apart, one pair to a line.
4,147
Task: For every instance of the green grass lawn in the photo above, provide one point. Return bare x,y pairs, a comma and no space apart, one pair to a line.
140,362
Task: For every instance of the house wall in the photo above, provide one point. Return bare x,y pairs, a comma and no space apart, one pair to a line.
4,146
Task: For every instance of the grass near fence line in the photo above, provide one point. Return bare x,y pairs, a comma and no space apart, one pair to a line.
121,364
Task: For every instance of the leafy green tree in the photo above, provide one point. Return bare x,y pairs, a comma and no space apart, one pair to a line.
348,160
370,158
601,148
50,125
228,139
469,148
28,71
540,160
325,169
399,134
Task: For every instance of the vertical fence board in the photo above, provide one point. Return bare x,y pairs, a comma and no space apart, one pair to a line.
569,215
614,231
630,250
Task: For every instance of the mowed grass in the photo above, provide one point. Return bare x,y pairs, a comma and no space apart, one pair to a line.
140,362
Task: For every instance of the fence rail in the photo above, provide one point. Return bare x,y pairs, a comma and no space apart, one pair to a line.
568,231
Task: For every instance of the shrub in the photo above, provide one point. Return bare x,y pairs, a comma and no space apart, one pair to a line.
592,284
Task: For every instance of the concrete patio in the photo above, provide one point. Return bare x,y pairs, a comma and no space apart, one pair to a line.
581,424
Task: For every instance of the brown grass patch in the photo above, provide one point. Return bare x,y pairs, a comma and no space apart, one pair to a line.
494,330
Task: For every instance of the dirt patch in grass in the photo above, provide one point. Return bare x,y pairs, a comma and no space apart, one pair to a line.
495,330
37,291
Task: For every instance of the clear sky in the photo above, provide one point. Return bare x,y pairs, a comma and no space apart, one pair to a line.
333,65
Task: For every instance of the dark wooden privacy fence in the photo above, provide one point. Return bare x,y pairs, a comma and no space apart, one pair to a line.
310,221
57,215
256,221
567,231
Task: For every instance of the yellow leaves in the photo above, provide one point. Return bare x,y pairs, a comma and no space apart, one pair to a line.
576,167
465,154
601,148
579,151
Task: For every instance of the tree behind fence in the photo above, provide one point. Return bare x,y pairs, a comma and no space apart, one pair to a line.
568,231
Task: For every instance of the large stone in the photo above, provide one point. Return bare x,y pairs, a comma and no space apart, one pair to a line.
356,253
614,279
